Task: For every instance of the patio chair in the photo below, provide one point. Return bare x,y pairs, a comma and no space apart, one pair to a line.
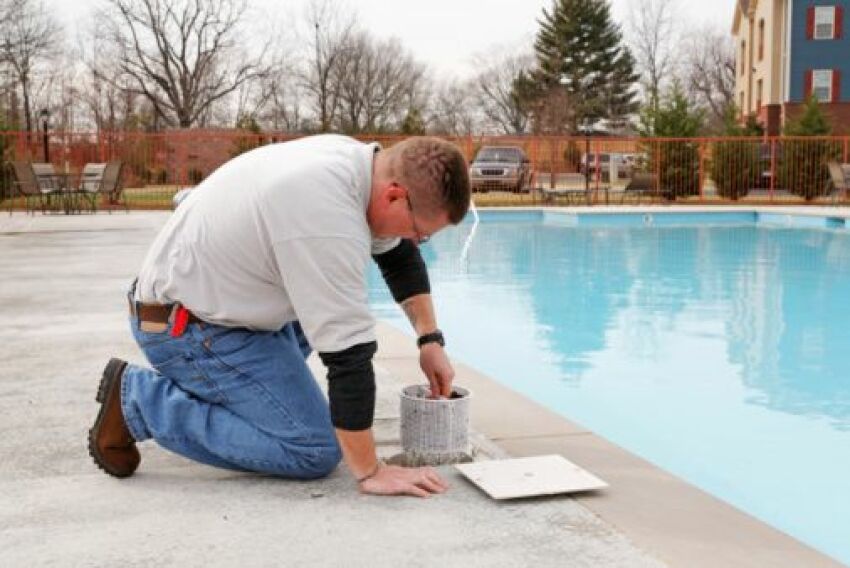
91,176
641,184
574,189
27,185
102,179
45,174
838,179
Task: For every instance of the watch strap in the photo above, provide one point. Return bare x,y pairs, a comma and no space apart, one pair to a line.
433,337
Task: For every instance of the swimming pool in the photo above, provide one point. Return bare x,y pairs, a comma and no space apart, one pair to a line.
714,345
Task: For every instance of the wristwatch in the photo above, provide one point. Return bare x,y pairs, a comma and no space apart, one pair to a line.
435,336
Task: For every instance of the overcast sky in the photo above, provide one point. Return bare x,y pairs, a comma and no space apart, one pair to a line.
448,34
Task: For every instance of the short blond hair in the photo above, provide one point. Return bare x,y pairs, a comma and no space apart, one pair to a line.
437,174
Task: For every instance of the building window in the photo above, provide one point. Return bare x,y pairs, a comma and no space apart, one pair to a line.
743,110
825,22
761,39
743,57
822,85
758,95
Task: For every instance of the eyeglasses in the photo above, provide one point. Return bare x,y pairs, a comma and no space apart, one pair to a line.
420,236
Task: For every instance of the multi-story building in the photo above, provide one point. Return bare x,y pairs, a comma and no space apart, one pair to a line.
787,51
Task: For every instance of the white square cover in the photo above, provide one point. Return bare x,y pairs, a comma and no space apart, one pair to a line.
529,477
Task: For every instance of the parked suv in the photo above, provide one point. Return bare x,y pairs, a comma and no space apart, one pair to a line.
504,168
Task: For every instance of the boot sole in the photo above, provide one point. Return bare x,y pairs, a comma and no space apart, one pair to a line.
112,372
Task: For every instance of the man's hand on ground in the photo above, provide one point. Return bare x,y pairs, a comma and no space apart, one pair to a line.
435,364
396,480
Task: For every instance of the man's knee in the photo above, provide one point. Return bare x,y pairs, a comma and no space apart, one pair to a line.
320,463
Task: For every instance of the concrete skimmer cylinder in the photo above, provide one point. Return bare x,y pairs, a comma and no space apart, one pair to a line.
434,431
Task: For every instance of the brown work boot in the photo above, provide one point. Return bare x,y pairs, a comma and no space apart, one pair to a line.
110,443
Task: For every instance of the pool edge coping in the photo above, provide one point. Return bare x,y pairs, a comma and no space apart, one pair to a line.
805,210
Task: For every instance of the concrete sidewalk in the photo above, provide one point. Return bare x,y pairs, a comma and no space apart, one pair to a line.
64,313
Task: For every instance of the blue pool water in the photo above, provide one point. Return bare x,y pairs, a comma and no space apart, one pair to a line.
718,348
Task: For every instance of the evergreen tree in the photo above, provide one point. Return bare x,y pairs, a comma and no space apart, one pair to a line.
413,123
812,122
581,52
736,161
803,167
675,116
676,160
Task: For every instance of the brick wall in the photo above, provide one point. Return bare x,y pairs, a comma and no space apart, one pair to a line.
838,115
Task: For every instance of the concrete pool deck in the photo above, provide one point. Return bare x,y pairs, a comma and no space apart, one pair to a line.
63,311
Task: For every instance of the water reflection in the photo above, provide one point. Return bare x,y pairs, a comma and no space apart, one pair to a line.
783,296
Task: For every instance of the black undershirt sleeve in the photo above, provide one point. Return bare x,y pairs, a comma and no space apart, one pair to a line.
351,378
351,386
404,271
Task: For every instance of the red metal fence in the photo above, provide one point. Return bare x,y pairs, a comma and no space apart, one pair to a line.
576,170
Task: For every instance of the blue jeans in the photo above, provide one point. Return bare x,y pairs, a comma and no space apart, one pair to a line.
232,398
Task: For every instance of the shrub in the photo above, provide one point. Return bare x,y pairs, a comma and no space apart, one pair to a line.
252,139
736,164
154,176
803,168
195,176
676,161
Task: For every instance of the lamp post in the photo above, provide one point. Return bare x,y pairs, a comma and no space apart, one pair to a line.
45,115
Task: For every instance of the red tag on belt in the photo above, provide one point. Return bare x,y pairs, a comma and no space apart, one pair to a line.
181,320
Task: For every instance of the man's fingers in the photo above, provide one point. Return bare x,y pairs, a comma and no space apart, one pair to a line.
429,484
431,475
436,479
439,387
417,491
436,388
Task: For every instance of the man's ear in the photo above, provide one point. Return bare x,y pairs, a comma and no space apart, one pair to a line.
395,192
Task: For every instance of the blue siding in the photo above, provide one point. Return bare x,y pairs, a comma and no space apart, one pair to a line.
818,54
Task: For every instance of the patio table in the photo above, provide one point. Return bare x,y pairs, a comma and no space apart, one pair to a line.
61,184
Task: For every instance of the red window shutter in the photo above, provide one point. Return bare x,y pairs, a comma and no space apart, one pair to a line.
807,85
839,22
810,23
836,86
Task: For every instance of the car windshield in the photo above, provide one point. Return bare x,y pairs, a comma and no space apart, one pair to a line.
498,155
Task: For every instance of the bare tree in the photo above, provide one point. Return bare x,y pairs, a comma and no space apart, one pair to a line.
30,37
497,94
284,108
180,55
251,99
710,72
101,88
652,27
331,31
453,111
376,81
